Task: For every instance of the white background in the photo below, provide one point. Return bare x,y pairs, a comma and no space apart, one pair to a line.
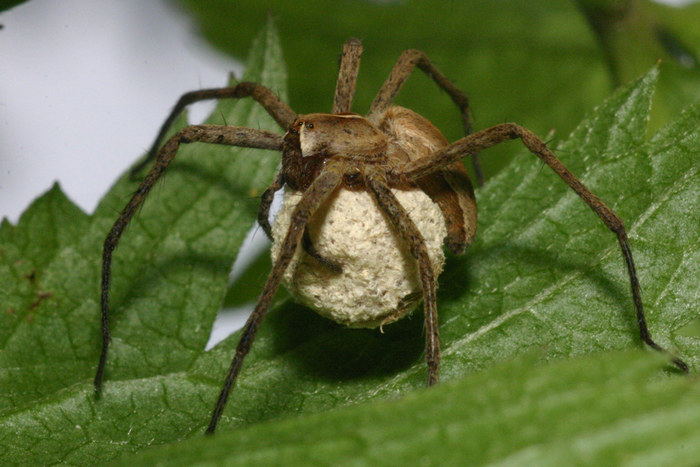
82,94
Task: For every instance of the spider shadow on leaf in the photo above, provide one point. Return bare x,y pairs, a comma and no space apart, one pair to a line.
334,353
323,348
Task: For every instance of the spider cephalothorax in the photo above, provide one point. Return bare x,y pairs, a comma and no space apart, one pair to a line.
376,280
313,139
369,202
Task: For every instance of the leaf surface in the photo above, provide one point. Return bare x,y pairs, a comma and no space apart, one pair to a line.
544,278
606,409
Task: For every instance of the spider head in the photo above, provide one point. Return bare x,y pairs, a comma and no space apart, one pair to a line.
328,135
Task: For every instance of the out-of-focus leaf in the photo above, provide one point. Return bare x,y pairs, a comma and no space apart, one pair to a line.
634,34
8,4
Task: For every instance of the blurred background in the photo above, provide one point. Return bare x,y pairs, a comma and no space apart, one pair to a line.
84,85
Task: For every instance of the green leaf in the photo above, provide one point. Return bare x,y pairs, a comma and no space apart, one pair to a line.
545,277
170,274
600,410
9,4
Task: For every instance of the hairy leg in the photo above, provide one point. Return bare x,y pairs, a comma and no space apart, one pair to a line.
306,242
377,185
491,136
308,246
232,136
266,201
313,197
280,111
409,60
347,76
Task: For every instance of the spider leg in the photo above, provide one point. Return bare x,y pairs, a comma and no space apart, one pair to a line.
491,136
280,111
266,201
377,185
306,243
313,197
232,136
409,60
347,76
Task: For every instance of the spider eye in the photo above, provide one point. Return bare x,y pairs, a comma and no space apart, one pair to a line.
309,125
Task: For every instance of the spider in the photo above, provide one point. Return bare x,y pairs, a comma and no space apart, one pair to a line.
377,157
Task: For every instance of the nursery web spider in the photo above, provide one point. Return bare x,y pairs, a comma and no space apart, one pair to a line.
389,150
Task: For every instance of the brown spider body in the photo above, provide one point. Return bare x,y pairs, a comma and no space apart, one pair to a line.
415,137
400,136
379,282
390,151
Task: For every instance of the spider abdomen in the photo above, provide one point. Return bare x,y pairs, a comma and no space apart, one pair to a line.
413,137
379,282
